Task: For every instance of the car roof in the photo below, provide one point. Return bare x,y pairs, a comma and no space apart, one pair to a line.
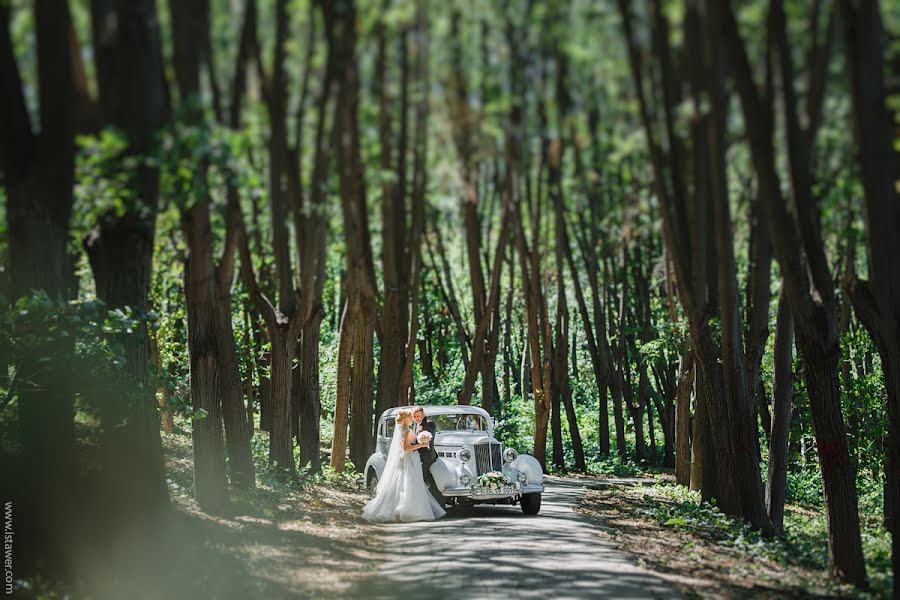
440,409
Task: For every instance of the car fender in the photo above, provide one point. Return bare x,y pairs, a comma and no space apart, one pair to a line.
443,475
531,467
376,464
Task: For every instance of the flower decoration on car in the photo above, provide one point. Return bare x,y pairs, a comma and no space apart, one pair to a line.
493,480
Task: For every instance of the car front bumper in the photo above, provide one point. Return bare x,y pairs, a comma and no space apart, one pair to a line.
467,492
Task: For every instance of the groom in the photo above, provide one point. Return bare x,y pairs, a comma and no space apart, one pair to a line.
428,455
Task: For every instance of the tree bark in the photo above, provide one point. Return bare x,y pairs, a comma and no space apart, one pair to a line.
207,287
394,321
877,301
355,390
734,362
120,248
683,420
807,279
38,171
782,396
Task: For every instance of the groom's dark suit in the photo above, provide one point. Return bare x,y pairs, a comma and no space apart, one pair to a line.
428,455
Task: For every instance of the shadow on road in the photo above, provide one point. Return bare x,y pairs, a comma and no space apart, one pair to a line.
489,551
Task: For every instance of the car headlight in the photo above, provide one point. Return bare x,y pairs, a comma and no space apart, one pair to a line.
464,455
510,455
522,477
465,479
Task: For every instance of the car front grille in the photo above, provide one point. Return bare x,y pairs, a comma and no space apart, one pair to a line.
487,457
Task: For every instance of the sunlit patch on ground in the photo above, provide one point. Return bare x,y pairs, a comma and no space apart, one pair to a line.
305,541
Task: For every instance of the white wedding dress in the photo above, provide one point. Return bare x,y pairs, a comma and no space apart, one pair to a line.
401,494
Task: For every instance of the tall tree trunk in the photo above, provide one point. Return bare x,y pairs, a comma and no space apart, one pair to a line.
698,423
192,49
237,427
342,392
782,396
485,309
877,301
686,215
798,246
310,401
664,401
120,248
418,198
616,379
556,419
38,171
683,420
202,316
758,297
355,356
362,387
734,362
393,216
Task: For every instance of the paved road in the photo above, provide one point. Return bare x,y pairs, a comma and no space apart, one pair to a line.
497,552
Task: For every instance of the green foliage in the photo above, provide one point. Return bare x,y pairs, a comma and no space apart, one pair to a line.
107,179
79,344
515,425
614,465
805,543
804,487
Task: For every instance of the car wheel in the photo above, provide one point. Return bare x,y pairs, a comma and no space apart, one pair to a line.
373,485
531,503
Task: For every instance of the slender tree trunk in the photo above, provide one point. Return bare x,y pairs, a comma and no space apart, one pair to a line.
38,169
877,301
616,378
189,20
683,420
120,250
737,390
651,432
698,442
837,470
556,421
667,389
393,318
310,402
355,356
208,443
782,396
807,279
237,429
166,419
342,392
362,388
280,439
250,365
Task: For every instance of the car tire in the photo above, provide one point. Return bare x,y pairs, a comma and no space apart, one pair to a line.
373,485
531,503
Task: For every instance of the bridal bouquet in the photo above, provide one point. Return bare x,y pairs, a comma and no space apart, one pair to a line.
494,480
423,437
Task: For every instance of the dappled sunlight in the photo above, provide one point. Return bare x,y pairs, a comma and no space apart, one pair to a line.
496,550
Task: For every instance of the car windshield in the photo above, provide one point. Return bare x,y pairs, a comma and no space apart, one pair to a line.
458,422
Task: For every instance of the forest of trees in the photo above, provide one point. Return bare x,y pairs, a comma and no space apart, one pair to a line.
662,232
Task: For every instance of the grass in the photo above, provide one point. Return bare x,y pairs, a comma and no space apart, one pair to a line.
710,554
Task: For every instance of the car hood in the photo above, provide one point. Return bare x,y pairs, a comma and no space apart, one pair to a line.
459,438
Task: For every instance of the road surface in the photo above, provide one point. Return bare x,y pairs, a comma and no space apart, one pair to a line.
497,552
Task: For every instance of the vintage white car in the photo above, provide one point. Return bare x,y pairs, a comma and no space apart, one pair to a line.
466,449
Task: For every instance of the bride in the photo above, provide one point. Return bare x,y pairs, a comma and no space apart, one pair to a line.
401,494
